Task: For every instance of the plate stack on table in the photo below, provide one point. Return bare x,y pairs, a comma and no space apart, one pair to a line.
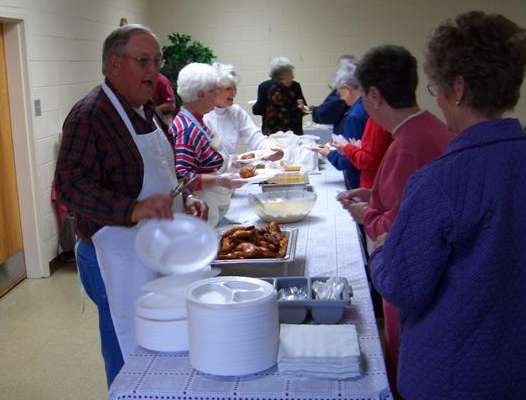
319,351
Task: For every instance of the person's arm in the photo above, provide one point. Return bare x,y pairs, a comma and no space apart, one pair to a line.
330,111
375,141
381,213
354,123
79,175
339,161
408,269
300,93
261,103
194,155
248,131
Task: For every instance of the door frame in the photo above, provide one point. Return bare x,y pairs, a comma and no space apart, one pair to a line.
21,110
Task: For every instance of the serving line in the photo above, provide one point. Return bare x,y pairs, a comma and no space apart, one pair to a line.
327,243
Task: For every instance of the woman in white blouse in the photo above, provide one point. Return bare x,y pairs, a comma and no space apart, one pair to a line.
232,123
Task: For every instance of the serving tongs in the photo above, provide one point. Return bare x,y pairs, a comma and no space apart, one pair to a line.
182,186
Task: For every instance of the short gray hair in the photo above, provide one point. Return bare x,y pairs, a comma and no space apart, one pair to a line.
117,41
345,75
227,75
196,77
279,66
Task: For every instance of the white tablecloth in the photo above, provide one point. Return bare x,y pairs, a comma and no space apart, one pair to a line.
328,243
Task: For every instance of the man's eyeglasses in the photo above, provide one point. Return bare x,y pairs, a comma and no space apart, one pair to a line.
432,89
145,62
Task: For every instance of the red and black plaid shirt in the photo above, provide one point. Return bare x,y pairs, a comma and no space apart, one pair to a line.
99,169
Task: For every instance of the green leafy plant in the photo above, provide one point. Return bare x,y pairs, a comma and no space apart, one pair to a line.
182,51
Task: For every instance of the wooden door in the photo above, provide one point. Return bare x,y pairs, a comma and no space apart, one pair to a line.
10,227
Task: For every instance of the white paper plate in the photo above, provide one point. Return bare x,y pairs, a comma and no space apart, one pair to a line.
258,156
261,175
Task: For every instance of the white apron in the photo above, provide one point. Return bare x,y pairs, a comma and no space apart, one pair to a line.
122,272
217,198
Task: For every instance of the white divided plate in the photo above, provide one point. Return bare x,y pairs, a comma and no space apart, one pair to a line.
258,155
175,285
182,245
261,175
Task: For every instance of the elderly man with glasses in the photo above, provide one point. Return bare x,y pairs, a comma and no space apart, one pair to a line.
116,167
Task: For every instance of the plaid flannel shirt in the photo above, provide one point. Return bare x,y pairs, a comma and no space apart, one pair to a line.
99,169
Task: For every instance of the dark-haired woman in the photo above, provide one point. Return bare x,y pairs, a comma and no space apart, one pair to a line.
454,261
388,77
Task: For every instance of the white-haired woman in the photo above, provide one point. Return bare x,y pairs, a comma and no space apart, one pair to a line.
199,156
230,122
278,99
354,122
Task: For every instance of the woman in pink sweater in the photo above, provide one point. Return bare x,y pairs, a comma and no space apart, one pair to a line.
388,78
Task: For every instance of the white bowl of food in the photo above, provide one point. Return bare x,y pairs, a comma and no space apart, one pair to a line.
283,206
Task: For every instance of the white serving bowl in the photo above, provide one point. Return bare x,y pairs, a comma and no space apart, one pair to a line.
283,206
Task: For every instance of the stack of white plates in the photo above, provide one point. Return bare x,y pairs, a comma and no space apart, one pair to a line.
183,248
319,351
233,325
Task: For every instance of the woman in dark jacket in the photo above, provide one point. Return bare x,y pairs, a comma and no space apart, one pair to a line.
279,99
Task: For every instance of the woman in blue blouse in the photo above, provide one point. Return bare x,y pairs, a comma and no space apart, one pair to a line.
353,125
455,260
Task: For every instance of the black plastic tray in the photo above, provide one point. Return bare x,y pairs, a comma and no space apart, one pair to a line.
297,311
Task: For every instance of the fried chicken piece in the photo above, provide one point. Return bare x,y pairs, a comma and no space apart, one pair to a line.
283,246
273,227
230,231
248,171
226,245
248,249
243,235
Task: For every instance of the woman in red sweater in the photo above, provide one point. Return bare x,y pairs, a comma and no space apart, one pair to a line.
368,155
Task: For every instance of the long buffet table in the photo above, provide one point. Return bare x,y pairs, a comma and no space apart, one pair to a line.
328,243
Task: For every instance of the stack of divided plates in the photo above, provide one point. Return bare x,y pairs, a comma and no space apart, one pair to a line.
319,351
233,326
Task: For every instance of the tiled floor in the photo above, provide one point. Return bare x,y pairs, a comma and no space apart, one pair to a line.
49,349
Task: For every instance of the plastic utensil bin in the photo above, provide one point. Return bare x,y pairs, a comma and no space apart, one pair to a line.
297,311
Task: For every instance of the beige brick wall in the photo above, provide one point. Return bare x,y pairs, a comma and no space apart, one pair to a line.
313,33
64,41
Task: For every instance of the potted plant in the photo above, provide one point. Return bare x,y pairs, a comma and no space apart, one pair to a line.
181,51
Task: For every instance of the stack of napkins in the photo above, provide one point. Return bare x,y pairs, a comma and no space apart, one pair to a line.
320,351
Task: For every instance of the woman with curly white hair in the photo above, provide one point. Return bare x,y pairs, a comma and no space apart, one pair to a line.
230,122
280,99
199,155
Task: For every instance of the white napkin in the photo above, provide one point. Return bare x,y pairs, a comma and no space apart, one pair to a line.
325,341
320,351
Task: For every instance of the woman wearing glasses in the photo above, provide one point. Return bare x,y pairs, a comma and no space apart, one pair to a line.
388,78
233,125
454,261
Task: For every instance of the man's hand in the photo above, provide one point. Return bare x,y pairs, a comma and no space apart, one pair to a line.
156,206
196,207
277,155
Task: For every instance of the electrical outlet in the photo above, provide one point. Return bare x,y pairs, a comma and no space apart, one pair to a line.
38,108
